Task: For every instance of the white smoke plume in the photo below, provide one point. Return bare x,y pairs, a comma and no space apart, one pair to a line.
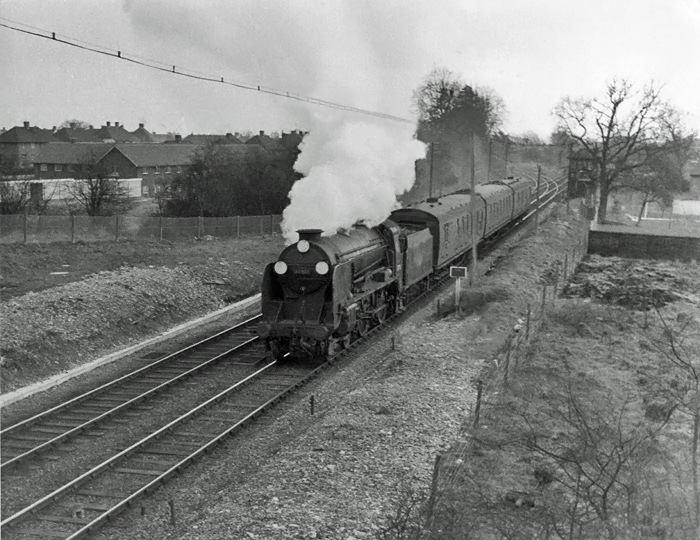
353,172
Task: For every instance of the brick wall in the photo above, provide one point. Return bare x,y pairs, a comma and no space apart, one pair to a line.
644,246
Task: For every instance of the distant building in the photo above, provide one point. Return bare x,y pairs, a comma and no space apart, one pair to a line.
202,140
22,143
127,160
273,146
67,160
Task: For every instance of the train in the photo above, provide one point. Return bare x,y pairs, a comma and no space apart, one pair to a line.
323,292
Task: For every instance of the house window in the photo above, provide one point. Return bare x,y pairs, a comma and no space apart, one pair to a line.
157,170
69,167
179,168
144,170
167,169
44,167
58,167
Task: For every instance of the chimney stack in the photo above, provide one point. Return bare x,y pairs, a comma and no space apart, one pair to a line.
178,138
116,124
310,235
109,124
26,124
262,133
72,125
140,126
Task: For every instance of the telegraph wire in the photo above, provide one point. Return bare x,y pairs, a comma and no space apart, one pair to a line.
174,70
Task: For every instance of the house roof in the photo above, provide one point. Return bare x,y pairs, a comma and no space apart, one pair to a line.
77,135
27,134
117,134
267,142
151,155
206,139
72,153
291,140
143,135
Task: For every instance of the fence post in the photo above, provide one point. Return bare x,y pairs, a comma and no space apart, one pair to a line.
262,225
272,224
544,297
160,227
527,324
25,227
477,407
116,228
72,229
238,226
200,226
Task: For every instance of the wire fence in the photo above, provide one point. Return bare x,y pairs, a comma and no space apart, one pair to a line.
493,379
25,229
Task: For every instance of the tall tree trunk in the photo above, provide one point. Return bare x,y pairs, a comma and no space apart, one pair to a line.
603,205
641,210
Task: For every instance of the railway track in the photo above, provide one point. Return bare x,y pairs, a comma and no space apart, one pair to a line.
47,430
87,502
84,504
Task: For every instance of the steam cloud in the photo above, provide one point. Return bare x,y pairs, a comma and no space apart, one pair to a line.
353,172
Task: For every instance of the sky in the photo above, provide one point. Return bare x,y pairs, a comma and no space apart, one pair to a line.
369,54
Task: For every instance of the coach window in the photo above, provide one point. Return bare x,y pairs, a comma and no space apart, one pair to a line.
58,167
157,170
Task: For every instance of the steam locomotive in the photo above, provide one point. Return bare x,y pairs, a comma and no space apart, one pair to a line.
323,292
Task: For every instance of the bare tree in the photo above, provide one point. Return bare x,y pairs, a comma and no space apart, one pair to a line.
75,123
96,192
681,387
14,197
622,132
657,182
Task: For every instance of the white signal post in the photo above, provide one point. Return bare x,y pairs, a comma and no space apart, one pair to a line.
458,272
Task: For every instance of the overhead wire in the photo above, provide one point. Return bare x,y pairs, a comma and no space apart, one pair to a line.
184,72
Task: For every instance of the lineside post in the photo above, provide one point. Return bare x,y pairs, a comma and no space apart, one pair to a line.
537,207
458,286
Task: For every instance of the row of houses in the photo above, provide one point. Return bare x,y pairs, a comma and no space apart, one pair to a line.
46,154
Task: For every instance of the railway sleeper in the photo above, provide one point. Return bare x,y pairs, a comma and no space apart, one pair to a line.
144,472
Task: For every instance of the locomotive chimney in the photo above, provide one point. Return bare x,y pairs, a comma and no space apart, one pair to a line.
310,235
